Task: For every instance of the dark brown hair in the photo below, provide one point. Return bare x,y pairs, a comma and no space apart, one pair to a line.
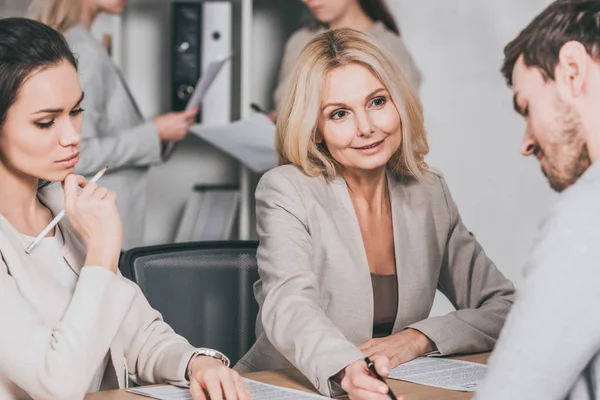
377,10
561,22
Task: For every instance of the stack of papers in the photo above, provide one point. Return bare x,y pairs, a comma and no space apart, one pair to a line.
443,373
259,391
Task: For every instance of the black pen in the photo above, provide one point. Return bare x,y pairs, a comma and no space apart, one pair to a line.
371,367
257,108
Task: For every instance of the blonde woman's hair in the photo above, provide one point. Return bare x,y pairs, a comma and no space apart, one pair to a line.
298,116
58,14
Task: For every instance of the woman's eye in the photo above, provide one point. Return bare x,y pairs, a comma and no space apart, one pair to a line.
378,102
76,112
338,114
44,125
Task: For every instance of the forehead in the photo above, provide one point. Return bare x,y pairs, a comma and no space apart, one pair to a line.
526,80
349,81
51,87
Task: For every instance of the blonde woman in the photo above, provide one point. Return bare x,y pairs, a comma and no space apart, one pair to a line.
114,131
356,233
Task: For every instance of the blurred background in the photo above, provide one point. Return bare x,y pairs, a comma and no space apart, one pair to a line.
457,44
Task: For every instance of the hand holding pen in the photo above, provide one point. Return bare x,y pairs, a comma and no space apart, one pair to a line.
359,381
94,215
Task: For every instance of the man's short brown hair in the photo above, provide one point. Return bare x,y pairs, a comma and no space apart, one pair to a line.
561,22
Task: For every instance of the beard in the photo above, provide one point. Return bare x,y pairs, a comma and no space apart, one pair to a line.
565,159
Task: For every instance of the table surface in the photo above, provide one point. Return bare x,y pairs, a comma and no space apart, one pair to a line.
293,379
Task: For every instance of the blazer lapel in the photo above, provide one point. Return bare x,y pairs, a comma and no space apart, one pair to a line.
346,222
410,248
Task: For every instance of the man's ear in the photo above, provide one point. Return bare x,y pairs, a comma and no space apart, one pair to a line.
572,70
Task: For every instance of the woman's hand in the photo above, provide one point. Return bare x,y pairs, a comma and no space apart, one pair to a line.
93,213
209,376
360,384
400,347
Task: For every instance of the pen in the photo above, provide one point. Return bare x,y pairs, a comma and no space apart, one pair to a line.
371,367
257,108
58,217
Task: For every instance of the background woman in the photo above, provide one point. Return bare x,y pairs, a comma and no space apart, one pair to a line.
370,16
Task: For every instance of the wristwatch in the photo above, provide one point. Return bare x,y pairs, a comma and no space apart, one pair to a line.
208,353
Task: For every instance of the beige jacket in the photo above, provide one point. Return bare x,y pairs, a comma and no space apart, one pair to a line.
388,39
315,292
52,341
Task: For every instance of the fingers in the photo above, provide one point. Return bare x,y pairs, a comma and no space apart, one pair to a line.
366,395
242,388
100,193
367,382
213,387
70,187
196,390
382,365
228,386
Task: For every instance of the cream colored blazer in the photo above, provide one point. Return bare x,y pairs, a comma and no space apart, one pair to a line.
52,341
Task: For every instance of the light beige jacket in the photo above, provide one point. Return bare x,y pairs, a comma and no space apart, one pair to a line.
315,292
52,341
386,38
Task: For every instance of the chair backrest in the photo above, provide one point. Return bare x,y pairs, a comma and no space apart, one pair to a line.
204,290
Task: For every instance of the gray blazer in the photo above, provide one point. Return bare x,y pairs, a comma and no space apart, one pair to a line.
315,293
114,133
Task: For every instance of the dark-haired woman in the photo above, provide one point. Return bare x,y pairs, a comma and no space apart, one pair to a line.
70,323
370,16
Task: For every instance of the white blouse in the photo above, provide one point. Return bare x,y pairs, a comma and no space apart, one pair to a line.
60,273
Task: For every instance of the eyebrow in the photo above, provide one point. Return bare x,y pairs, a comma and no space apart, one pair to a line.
373,93
57,110
516,104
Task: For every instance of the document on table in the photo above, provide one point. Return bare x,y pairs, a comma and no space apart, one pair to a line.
251,140
258,390
440,372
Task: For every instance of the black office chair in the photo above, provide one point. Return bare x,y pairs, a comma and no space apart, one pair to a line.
202,289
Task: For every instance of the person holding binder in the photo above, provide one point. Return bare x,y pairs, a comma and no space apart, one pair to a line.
357,232
114,131
71,324
370,16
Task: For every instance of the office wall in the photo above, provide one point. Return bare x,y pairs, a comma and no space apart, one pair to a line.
474,133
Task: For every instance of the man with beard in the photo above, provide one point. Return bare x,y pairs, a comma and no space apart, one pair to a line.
550,345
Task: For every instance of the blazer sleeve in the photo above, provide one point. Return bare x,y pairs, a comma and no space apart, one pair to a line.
58,362
138,146
153,351
476,288
292,319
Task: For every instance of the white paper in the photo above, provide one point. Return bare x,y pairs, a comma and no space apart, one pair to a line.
206,80
202,86
440,372
251,141
258,390
165,392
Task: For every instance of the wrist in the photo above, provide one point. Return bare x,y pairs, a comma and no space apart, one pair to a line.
102,256
424,344
204,358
